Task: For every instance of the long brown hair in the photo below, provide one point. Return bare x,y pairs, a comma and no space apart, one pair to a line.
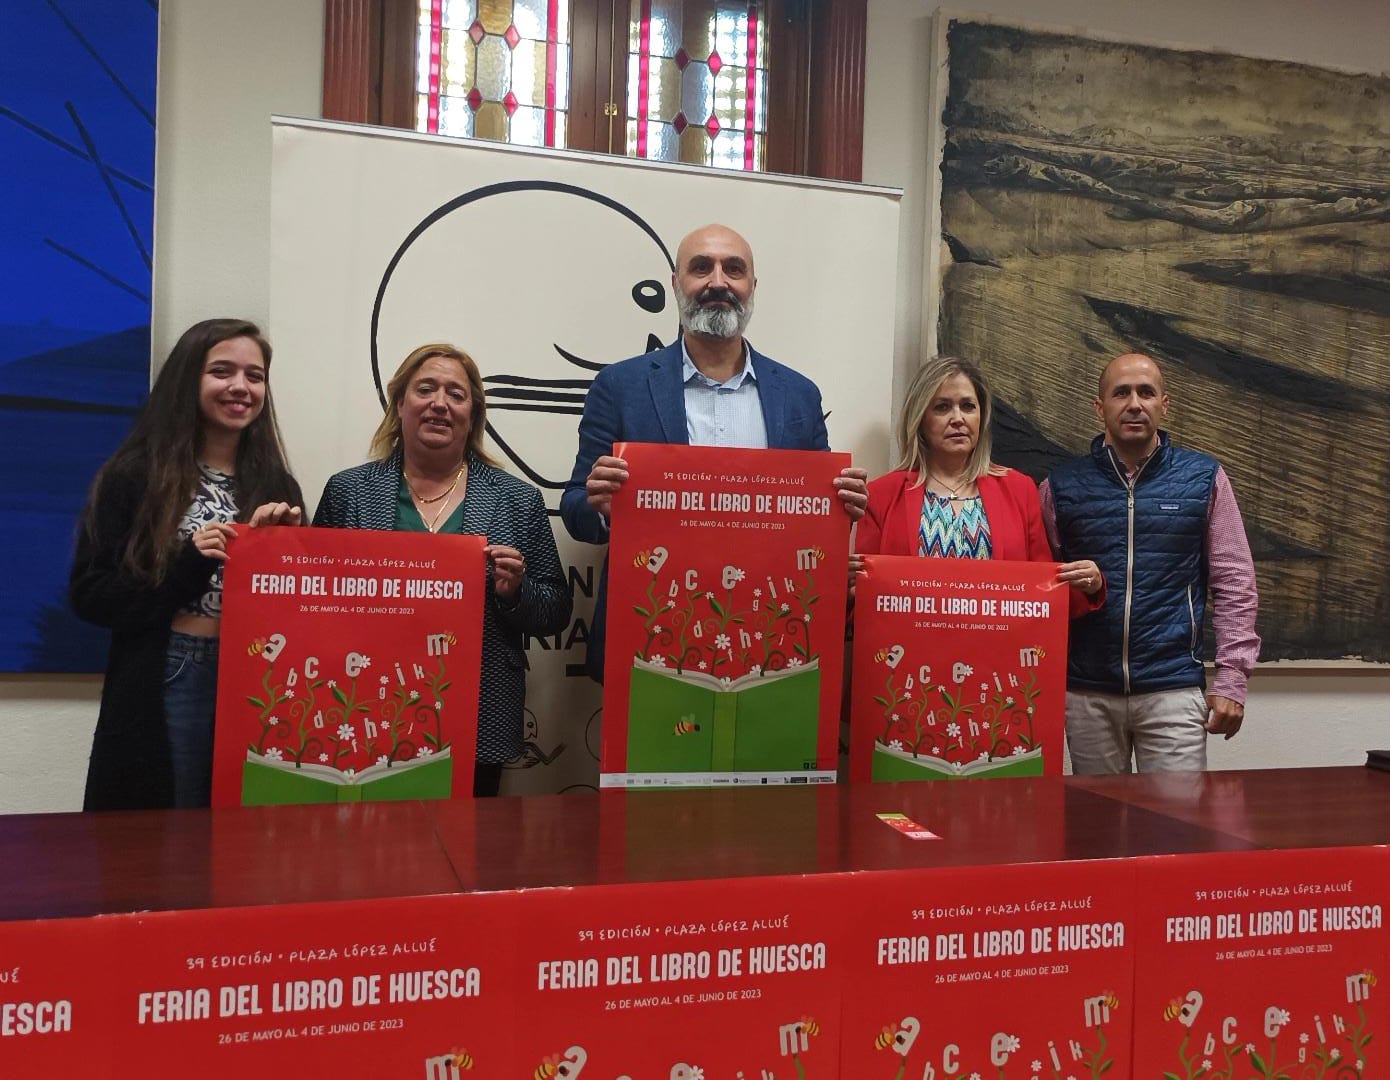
161,453
388,433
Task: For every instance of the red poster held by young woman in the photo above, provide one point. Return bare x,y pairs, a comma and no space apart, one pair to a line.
348,667
960,669
726,613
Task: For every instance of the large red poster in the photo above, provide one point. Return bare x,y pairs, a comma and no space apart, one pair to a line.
348,667
1007,971
960,669
1262,964
682,980
726,613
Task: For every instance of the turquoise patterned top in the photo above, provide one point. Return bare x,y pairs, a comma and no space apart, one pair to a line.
944,533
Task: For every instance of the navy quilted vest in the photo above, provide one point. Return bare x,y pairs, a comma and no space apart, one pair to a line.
1148,635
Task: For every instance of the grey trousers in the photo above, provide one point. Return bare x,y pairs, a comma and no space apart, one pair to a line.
1164,731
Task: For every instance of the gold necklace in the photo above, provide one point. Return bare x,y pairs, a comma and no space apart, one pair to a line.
433,523
954,495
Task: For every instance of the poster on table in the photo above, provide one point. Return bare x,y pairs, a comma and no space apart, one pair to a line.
1263,964
999,971
53,1013
960,669
726,611
416,987
348,667
681,980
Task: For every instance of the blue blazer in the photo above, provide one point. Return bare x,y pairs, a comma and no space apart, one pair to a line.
643,400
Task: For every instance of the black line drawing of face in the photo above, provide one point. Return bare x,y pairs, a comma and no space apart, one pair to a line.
543,284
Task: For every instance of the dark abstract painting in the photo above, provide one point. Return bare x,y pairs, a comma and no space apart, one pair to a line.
77,125
1226,215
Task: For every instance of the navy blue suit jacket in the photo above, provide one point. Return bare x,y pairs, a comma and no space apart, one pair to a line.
643,400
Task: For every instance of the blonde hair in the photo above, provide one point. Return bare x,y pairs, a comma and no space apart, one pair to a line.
388,433
925,386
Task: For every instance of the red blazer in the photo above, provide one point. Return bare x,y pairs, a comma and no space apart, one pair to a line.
1016,533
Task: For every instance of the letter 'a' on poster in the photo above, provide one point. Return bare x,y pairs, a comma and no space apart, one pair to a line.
959,669
348,667
726,614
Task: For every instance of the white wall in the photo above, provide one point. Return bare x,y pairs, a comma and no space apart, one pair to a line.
226,67
1294,716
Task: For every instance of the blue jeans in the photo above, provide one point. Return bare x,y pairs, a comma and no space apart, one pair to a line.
190,701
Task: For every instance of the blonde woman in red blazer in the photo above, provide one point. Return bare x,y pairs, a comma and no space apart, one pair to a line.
944,430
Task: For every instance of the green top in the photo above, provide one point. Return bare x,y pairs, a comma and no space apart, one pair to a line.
408,518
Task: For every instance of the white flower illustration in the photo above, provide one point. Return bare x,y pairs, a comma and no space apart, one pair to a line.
896,744
806,617
896,718
1303,1038
424,751
344,731
721,641
697,1073
757,592
366,661
1018,751
1249,1048
936,750
704,665
756,669
738,574
323,757
953,730
381,760
974,1076
275,754
1283,1016
414,694
1036,1066
656,628
439,706
384,680
757,635
1206,1064
1014,1043
332,683
795,661
657,659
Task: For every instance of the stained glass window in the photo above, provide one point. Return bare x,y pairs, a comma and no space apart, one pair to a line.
697,82
494,69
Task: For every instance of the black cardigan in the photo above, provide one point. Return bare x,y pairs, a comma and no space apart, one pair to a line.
131,767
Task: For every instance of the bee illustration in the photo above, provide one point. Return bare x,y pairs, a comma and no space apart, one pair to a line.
547,1069
885,1038
1171,1010
1042,653
1112,1000
685,727
254,649
818,554
881,655
451,638
640,559
461,1059
1368,977
809,1026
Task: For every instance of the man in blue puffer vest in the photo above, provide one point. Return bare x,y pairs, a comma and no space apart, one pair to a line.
1163,525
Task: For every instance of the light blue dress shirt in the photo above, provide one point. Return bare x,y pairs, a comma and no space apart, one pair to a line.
723,414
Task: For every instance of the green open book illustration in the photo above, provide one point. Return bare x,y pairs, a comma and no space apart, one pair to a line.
897,763
270,781
688,721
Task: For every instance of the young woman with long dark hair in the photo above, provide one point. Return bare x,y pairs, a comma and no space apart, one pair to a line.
204,452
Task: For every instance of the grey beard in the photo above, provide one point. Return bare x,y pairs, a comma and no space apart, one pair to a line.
714,321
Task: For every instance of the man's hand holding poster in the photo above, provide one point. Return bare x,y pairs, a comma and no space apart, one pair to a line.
960,669
348,668
726,611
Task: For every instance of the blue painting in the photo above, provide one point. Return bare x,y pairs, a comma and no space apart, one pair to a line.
77,126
